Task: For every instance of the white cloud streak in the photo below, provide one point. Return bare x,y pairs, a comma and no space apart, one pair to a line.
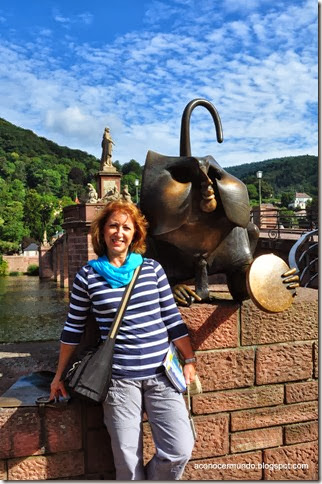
259,69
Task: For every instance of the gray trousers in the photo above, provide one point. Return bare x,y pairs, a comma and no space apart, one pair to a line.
168,418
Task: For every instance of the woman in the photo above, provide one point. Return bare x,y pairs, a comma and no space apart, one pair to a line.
150,322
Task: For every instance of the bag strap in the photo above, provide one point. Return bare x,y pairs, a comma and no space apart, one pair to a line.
123,304
192,424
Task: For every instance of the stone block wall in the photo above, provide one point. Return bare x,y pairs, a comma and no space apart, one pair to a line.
257,415
256,418
66,442
20,263
79,248
259,407
71,251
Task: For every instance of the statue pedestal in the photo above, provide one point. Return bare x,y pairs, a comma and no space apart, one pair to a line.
77,223
107,180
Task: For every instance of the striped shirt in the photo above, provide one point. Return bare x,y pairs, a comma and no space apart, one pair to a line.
151,319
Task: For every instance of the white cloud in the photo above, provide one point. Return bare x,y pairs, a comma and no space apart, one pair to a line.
84,18
158,11
259,70
60,19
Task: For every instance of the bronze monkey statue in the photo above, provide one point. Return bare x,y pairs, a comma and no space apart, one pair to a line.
199,217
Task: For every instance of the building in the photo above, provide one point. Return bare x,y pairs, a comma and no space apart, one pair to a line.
31,250
300,201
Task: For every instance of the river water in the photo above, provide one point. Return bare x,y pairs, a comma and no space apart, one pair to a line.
30,309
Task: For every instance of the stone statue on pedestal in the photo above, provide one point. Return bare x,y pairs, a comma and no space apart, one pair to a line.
45,242
111,195
106,159
114,194
92,196
125,195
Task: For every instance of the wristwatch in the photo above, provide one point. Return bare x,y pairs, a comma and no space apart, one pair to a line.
190,360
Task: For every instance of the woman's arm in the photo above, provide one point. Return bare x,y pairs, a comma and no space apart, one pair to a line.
185,348
57,387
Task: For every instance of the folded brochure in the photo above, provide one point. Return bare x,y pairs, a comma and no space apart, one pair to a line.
173,369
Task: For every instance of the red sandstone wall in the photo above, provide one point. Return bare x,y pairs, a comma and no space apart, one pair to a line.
256,418
259,407
20,263
47,444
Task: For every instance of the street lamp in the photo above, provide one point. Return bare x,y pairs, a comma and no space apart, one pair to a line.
259,175
137,190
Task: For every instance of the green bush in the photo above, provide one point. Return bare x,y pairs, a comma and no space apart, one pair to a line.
9,247
3,266
33,270
15,273
288,219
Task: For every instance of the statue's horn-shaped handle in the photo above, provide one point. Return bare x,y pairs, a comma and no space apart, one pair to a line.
185,146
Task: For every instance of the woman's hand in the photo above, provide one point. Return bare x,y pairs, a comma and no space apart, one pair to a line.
189,372
185,348
57,389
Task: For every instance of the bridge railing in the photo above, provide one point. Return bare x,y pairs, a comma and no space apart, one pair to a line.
304,255
277,221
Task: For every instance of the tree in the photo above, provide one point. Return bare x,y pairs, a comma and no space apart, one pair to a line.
288,218
7,168
76,175
17,191
267,189
287,198
58,216
48,181
312,210
39,212
252,191
3,266
20,170
12,229
117,165
5,196
132,167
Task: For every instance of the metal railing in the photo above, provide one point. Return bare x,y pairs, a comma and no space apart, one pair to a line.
276,222
305,257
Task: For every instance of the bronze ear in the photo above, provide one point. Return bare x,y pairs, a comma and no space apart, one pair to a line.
233,194
165,192
234,197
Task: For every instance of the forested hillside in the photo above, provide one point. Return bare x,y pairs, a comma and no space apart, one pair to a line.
290,174
38,178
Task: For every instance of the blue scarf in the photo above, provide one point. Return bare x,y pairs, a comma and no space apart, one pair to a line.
117,276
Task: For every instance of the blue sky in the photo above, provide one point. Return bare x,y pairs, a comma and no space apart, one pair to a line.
70,68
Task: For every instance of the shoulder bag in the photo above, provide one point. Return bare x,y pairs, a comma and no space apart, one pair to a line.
89,378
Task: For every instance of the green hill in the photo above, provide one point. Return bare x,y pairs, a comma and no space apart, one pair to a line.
42,164
289,174
26,142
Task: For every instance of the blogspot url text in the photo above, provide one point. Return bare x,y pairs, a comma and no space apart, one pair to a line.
252,466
